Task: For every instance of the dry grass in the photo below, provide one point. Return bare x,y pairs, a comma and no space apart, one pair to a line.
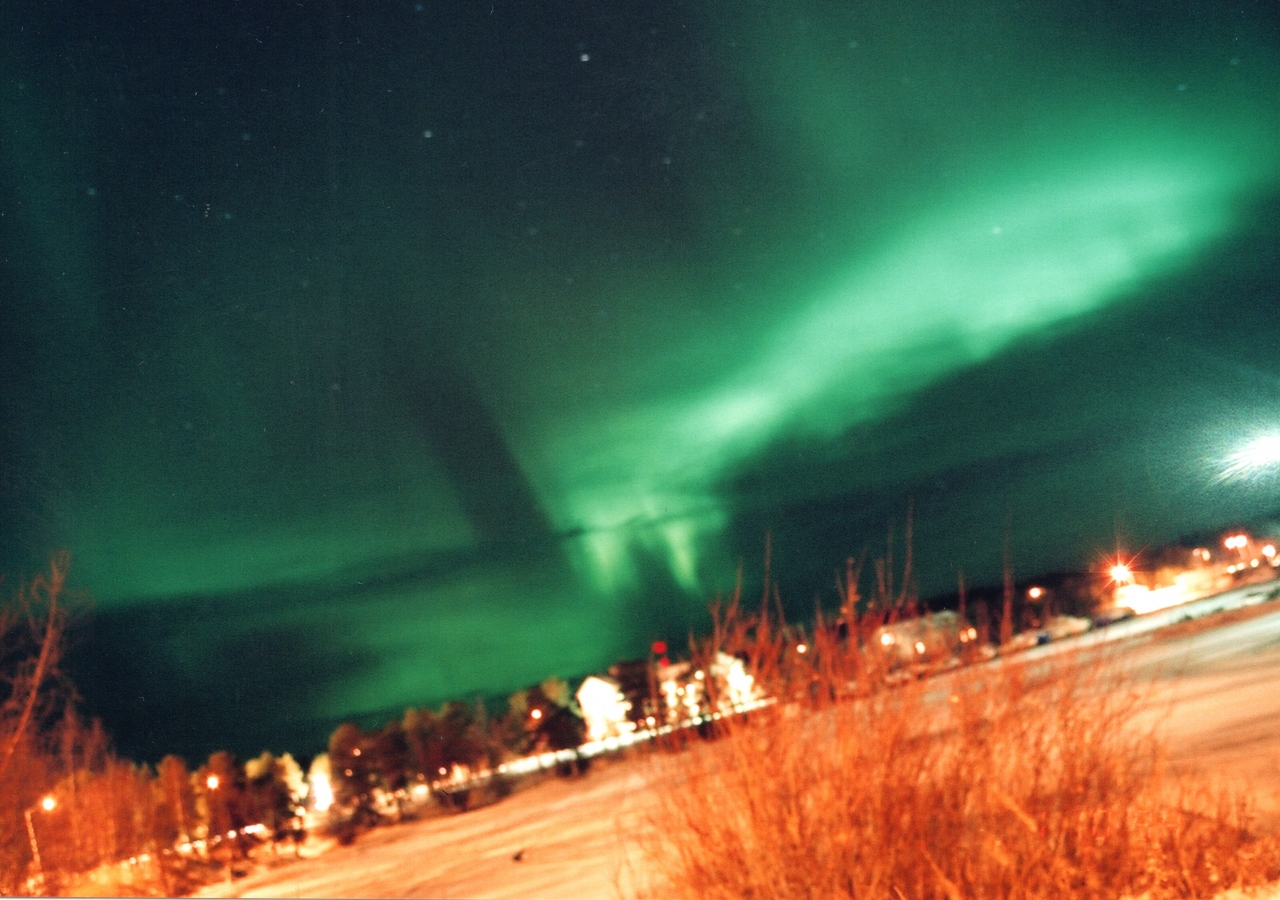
1007,781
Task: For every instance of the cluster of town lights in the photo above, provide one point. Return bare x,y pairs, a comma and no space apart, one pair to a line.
1241,543
1175,585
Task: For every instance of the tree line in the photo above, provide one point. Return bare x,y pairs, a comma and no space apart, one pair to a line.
446,752
70,807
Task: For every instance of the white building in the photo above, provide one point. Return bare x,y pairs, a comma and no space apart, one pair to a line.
604,708
736,686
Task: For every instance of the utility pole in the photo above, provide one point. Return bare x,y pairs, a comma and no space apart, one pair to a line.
1006,611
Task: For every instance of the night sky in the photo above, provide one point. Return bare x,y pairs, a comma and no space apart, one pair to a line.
370,354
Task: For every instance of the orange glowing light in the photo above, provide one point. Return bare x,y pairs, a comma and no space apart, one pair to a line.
1121,574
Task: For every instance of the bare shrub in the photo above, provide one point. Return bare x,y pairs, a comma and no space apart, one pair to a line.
1012,780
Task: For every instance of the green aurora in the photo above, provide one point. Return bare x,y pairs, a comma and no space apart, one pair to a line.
369,358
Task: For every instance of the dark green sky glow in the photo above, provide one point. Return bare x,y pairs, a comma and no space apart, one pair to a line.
366,355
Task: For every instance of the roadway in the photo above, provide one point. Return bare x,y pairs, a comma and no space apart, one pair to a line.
1210,670
1216,698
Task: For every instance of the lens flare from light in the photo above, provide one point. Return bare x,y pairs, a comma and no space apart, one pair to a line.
1253,459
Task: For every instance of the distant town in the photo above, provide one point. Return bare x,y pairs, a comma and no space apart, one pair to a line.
172,828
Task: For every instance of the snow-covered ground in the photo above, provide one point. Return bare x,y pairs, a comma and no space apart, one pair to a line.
560,838
1216,687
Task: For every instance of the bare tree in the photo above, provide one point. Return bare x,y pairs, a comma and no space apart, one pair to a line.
34,621
32,699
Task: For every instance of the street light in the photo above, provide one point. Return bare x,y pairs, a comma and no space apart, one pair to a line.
212,783
47,803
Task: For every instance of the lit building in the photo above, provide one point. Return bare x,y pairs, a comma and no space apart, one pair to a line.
604,708
928,638
683,691
321,791
736,687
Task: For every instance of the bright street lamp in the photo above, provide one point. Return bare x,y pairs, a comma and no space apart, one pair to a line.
212,782
47,803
